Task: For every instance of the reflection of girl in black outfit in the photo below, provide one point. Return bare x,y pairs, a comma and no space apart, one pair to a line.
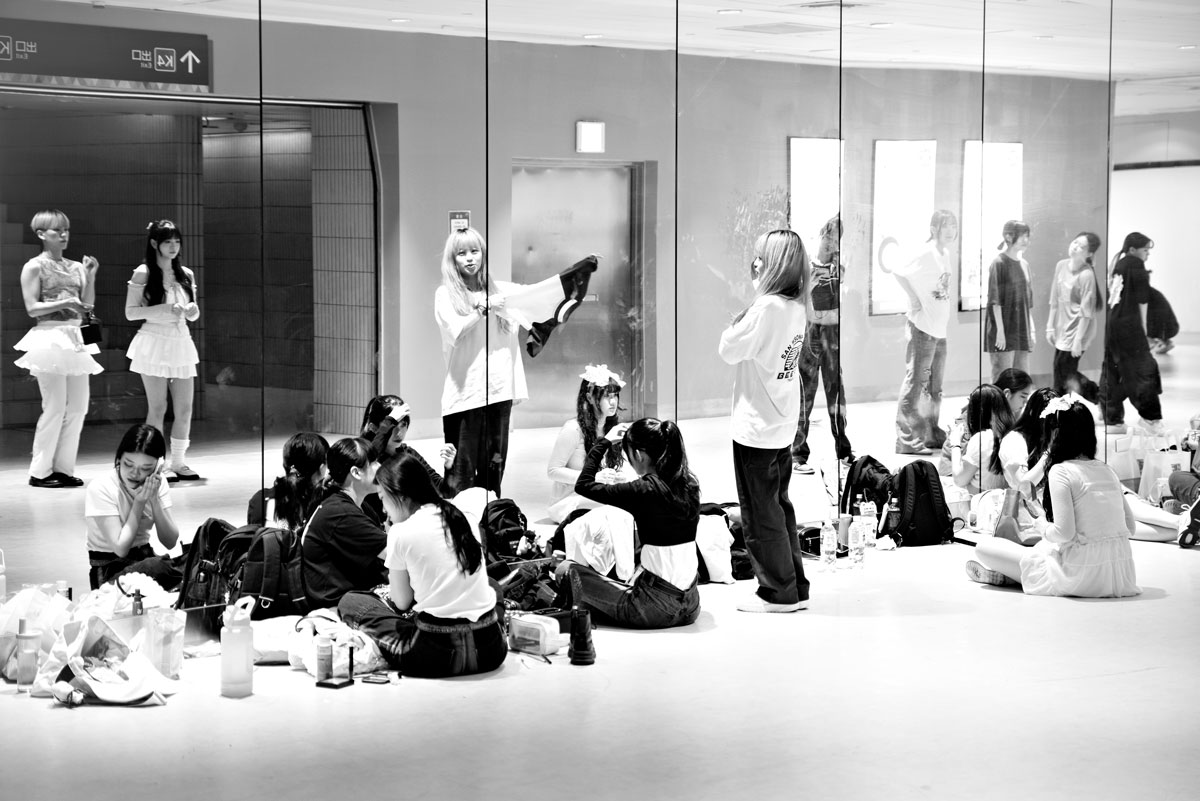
1008,323
1129,368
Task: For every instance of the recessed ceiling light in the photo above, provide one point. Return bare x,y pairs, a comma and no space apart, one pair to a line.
729,11
880,25
593,36
398,21
1043,38
1187,47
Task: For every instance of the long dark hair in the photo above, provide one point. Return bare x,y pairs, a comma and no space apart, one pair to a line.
296,490
157,232
405,480
987,408
141,438
1030,425
663,443
1093,245
346,453
587,401
1070,434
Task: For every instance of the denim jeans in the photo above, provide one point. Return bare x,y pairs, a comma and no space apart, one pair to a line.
423,645
481,437
1185,487
650,602
916,417
769,522
820,356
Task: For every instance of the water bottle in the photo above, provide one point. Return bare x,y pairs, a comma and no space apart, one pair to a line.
29,644
1161,491
828,546
237,650
858,541
869,514
893,516
324,657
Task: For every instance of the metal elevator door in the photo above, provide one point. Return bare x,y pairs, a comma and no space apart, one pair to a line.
560,214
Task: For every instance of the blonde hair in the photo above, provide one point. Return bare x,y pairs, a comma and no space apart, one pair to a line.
452,279
785,269
49,218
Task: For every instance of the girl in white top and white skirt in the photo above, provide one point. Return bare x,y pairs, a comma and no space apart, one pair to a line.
162,293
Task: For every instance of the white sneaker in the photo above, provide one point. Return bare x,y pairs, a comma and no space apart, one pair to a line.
1154,426
756,604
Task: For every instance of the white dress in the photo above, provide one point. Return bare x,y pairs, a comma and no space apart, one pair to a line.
1085,552
163,345
54,346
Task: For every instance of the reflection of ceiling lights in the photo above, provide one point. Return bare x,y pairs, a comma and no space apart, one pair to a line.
729,11
1043,38
593,36
1187,47
400,21
880,25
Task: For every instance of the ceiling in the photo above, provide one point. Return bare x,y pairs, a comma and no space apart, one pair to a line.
1151,46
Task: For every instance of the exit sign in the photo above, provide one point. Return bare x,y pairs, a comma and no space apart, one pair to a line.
54,49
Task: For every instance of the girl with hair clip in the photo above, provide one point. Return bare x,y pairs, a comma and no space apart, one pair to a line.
484,372
1017,387
343,547
763,343
1022,455
1084,550
1008,322
162,293
295,492
926,282
123,506
57,293
665,504
596,406
385,425
1075,300
442,617
1129,368
976,466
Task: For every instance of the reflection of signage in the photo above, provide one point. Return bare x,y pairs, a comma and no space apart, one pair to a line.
53,49
460,221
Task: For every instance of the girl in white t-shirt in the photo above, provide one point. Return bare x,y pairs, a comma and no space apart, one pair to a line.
122,508
976,466
596,407
763,343
442,616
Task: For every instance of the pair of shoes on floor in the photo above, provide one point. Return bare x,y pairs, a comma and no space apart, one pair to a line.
1189,526
756,604
56,481
181,473
982,575
1154,426
909,450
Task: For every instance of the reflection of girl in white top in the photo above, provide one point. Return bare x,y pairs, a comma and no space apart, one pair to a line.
484,372
1085,547
596,408
162,293
1075,300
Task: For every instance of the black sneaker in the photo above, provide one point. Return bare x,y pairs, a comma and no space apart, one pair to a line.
1189,536
49,482
66,480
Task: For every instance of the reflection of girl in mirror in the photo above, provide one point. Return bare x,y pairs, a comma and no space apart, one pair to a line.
385,425
295,492
596,407
1085,547
1075,300
763,344
1129,367
1008,324
123,506
484,371
57,293
976,466
926,282
162,293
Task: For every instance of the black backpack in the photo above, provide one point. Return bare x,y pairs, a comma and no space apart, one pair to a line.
205,585
502,527
271,569
924,517
869,477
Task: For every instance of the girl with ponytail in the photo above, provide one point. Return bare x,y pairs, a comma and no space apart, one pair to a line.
665,503
342,545
436,570
295,492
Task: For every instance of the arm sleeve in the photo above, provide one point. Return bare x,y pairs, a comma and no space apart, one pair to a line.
1063,527
568,440
451,323
100,500
194,314
631,496
742,340
995,287
135,300
973,451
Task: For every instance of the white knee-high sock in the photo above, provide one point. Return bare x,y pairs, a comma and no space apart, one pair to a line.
178,452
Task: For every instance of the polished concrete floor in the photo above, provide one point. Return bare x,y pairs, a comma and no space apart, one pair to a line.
902,680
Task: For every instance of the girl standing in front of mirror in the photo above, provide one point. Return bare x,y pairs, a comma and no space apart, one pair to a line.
57,293
1008,322
162,293
1129,368
484,372
1075,301
763,343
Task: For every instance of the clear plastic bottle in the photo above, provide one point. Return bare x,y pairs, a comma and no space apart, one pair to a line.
324,657
858,541
237,650
870,517
29,643
828,546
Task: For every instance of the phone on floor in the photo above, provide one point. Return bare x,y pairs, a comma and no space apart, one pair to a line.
335,684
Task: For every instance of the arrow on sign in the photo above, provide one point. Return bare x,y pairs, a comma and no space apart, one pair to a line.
191,59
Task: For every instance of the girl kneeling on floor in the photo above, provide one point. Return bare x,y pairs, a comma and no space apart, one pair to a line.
665,504
442,618
1084,550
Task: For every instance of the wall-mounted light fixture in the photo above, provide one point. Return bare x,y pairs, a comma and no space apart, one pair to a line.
589,136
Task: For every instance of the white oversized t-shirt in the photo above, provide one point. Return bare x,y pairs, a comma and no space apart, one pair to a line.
105,497
420,547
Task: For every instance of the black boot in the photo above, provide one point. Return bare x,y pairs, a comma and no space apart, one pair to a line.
581,651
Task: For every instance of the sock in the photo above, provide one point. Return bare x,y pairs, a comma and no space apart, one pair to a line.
178,452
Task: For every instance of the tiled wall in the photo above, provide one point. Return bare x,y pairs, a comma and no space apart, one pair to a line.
111,174
345,320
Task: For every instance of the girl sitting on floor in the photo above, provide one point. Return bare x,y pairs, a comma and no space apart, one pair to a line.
385,425
1022,455
442,617
665,504
292,496
976,466
596,407
1085,547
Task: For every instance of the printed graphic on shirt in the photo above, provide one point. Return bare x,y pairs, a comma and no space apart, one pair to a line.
791,357
1114,290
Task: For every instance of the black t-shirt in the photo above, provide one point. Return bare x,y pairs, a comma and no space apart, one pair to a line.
343,551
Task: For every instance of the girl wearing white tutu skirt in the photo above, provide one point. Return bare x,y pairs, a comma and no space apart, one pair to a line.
162,293
57,292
